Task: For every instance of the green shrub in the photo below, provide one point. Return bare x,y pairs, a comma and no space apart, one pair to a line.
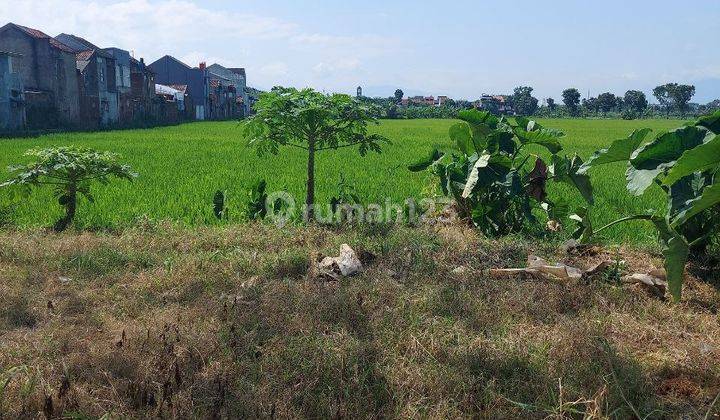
492,182
70,171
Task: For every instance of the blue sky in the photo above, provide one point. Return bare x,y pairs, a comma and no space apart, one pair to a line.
457,48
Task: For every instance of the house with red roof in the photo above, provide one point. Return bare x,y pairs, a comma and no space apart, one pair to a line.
12,101
48,71
171,71
234,77
99,97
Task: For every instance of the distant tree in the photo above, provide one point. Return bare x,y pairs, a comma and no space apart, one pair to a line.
313,122
551,104
619,103
571,99
662,94
391,111
635,100
464,104
606,102
681,96
591,104
523,101
711,106
673,94
399,94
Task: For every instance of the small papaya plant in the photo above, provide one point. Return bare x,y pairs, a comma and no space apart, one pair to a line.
492,179
342,204
685,164
313,122
70,171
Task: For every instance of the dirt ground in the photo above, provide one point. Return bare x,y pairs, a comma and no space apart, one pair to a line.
232,323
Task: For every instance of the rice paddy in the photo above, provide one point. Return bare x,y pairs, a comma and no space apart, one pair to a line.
181,168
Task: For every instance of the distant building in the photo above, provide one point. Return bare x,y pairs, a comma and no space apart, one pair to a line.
233,85
359,92
99,99
172,108
123,84
497,104
187,107
419,100
12,102
171,71
48,71
142,92
440,101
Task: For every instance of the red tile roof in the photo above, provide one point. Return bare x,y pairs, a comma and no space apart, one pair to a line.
85,55
37,34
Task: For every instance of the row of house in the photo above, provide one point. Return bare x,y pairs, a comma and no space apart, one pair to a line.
497,104
69,82
425,100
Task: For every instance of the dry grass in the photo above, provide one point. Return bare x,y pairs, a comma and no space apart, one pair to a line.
223,322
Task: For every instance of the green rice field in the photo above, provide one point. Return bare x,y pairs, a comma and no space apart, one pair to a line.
181,167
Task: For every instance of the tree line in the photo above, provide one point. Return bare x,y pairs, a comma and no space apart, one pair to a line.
673,100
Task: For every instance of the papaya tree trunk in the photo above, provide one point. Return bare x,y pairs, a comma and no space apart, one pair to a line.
310,194
69,200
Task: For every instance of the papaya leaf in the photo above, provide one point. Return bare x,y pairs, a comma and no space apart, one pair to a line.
619,151
425,163
701,158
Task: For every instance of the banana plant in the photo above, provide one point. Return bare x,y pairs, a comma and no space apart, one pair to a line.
685,164
494,183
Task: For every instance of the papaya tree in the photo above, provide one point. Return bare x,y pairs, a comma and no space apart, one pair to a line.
685,164
494,182
313,122
70,171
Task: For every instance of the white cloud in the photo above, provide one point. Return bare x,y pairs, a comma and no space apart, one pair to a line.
275,69
630,76
154,27
344,64
275,51
361,45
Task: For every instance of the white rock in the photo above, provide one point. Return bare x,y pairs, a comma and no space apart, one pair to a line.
348,261
346,264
